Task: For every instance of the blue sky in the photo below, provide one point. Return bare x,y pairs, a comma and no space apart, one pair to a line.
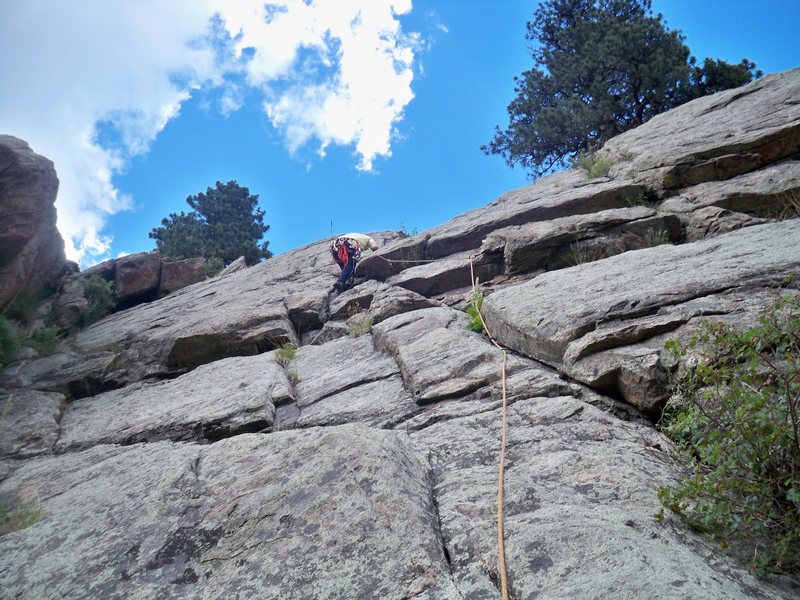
138,113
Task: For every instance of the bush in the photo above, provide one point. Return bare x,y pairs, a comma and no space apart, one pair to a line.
735,415
8,343
45,340
359,325
21,307
595,164
214,266
473,310
285,354
101,297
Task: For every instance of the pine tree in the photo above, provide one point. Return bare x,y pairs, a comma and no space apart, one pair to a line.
225,222
601,67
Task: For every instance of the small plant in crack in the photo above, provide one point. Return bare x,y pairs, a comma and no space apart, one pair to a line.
293,377
584,252
285,354
655,237
474,310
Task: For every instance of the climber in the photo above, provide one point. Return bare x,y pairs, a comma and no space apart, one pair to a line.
346,252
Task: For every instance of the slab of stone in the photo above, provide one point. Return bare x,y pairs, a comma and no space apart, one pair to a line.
336,366
446,274
393,301
545,316
311,512
382,403
438,357
227,397
551,245
580,499
29,422
715,137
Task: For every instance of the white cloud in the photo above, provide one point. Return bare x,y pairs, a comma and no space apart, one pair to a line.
90,83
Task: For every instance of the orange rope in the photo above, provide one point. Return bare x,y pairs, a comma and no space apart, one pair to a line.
501,552
501,549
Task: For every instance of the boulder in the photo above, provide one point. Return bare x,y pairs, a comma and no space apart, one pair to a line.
31,249
180,273
136,278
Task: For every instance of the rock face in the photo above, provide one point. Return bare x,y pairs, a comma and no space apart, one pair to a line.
180,448
137,278
31,249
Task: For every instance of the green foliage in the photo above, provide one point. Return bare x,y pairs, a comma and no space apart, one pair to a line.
17,516
474,311
101,296
359,325
655,237
21,307
595,164
285,354
45,339
8,343
735,413
214,266
601,67
225,222
293,377
584,252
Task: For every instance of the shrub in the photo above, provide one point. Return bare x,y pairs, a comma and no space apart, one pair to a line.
101,297
21,307
735,413
214,266
293,377
655,237
584,252
473,310
8,343
45,340
285,354
359,326
595,164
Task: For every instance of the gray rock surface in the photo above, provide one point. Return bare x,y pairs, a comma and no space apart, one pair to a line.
137,276
29,422
212,402
312,513
579,508
557,244
715,137
612,302
31,248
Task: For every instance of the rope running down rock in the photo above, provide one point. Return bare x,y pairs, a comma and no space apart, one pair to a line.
501,553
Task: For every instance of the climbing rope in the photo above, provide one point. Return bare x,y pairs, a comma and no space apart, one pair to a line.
501,552
501,549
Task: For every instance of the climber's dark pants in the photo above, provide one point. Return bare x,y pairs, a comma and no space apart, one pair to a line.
348,268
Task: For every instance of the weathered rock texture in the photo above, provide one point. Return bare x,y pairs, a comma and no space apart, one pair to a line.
31,249
196,456
137,278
